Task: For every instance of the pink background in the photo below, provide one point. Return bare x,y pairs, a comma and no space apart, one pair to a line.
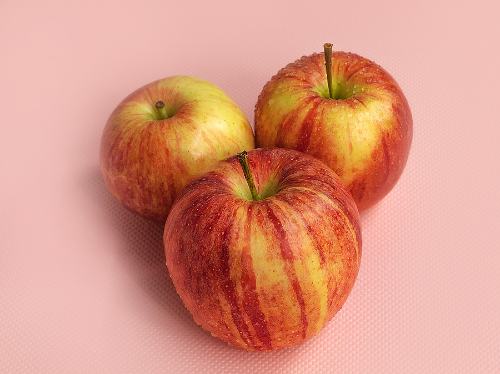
83,287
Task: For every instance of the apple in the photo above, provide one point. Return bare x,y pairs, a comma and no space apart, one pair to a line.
264,249
166,134
352,115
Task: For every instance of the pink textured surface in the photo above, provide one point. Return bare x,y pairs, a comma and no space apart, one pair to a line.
83,286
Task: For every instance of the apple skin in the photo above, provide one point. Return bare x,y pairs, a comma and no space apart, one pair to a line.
364,135
266,274
146,161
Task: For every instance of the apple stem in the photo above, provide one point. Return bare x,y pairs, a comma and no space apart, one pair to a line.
243,159
160,108
328,65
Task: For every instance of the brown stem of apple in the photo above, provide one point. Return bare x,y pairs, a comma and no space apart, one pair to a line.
160,108
328,65
243,159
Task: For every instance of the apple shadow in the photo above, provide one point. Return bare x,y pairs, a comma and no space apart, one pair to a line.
143,252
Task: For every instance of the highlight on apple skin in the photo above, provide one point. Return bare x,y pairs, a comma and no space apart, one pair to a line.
362,128
166,134
268,268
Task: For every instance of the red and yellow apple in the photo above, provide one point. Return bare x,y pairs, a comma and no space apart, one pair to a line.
360,125
166,134
264,249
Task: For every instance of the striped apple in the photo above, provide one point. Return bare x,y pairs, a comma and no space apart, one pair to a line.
352,115
166,134
264,250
